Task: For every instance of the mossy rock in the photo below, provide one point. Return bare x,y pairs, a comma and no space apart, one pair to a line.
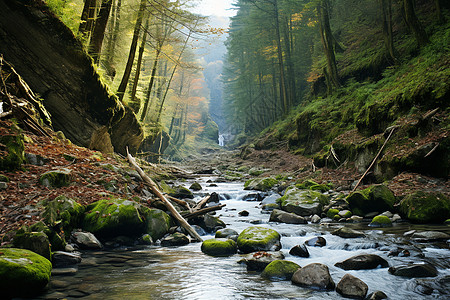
302,202
257,238
195,186
57,240
280,270
211,223
23,273
66,211
314,186
421,207
37,242
332,212
181,192
255,171
375,198
260,184
381,221
219,247
56,178
114,217
15,147
157,222
4,178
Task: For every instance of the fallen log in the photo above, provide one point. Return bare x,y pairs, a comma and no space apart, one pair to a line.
201,203
180,202
203,211
166,202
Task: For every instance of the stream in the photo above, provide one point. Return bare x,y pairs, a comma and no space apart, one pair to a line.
155,272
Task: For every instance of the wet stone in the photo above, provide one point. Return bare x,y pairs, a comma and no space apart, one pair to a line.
317,241
299,250
414,270
64,271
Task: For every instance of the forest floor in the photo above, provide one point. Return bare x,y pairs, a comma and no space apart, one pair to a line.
94,174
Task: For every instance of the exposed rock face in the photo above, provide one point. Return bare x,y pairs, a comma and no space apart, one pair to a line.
314,275
352,287
86,240
53,63
299,250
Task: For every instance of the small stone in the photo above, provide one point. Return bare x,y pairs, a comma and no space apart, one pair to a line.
317,241
315,219
175,239
299,250
346,232
381,221
396,218
363,262
195,186
3,185
378,295
430,236
314,275
345,214
244,213
64,259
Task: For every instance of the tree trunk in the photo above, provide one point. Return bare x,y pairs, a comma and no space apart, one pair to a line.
98,34
414,24
132,54
139,63
327,43
87,15
283,94
290,66
108,61
150,85
386,15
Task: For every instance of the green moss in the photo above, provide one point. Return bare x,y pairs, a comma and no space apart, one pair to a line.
280,270
375,198
257,238
332,212
380,221
23,273
37,242
57,178
260,184
421,207
4,178
57,240
219,247
63,210
195,186
302,202
157,222
14,143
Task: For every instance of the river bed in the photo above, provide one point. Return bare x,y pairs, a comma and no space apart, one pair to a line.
155,272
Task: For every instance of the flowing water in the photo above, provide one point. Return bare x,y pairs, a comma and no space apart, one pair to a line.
154,272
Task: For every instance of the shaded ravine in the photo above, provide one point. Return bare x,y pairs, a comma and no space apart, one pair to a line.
154,272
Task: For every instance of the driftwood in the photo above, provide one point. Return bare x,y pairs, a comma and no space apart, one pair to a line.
166,202
203,211
375,159
180,202
201,203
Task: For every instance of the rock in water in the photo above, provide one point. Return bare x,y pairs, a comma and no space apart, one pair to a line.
285,217
414,270
347,233
258,261
219,247
299,250
257,238
314,275
303,202
317,241
280,270
175,239
23,273
375,198
363,262
86,240
352,287
421,207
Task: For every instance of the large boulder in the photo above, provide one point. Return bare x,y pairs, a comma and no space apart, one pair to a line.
86,240
352,287
314,275
414,270
23,273
37,242
422,207
375,198
258,261
280,270
363,262
79,102
56,178
66,211
257,238
219,247
286,217
303,202
115,217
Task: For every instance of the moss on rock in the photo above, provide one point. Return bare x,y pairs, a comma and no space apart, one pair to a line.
15,147
219,247
56,178
332,212
421,207
280,270
63,210
257,238
23,273
375,198
381,221
260,184
302,202
37,242
157,222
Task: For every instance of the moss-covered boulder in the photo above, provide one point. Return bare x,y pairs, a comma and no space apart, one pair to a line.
260,184
381,221
56,178
15,155
257,238
210,223
375,198
181,192
64,211
421,207
37,242
195,186
280,270
4,178
23,273
114,217
314,186
157,222
302,202
219,247
56,238
332,212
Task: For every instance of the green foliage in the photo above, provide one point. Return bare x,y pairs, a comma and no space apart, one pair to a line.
68,11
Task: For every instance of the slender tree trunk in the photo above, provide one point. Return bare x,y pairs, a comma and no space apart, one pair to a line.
108,60
283,94
414,24
327,43
139,63
132,54
386,15
150,85
290,66
173,119
87,15
98,34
